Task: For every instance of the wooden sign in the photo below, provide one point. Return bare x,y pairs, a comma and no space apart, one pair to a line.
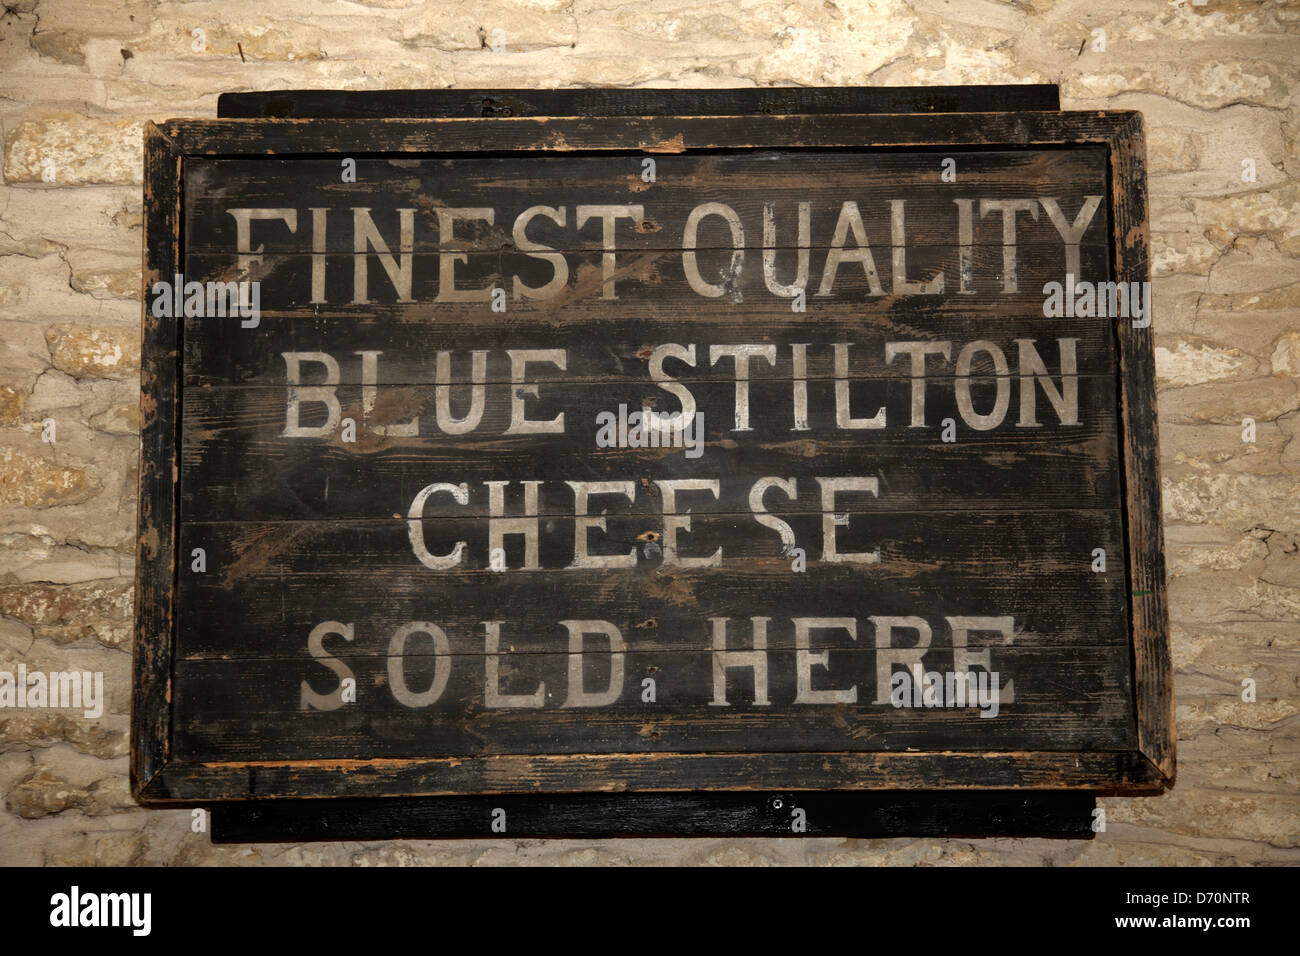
526,455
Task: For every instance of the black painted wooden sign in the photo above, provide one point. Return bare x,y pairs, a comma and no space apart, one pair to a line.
522,455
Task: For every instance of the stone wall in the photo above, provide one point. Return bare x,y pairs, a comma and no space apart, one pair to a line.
1217,81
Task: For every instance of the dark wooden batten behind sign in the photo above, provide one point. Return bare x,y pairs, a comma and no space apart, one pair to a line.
279,558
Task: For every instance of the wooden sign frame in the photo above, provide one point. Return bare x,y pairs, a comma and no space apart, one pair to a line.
160,778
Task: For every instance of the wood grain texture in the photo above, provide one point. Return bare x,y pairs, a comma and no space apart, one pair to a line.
158,519
654,281
236,462
745,182
997,522
215,781
654,136
980,549
1153,669
769,101
618,348
239,711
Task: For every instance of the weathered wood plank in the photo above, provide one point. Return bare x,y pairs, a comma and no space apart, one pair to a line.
1153,669
979,544
782,180
160,415
236,461
1036,770
265,586
655,283
1074,698
983,509
657,136
604,347
765,101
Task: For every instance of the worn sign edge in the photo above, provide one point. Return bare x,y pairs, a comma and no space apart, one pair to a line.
158,778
